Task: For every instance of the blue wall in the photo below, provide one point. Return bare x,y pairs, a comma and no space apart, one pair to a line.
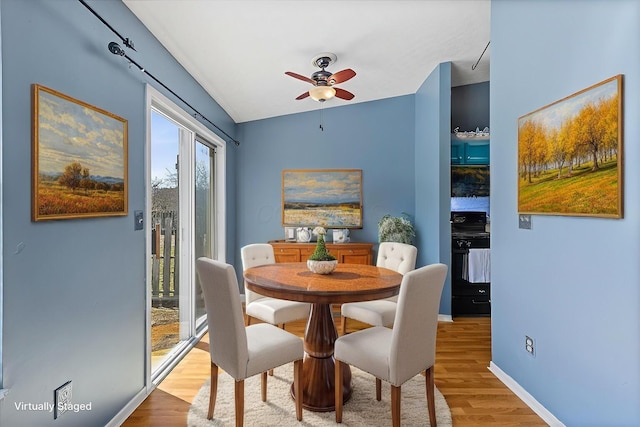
432,173
470,106
74,290
571,283
377,137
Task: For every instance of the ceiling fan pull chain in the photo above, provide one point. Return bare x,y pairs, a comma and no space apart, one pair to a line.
321,128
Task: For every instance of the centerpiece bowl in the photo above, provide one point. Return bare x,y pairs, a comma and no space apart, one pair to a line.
321,261
322,267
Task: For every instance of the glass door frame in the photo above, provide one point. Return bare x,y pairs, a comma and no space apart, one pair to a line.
210,223
196,132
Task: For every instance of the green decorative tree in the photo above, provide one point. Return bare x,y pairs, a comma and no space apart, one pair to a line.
321,253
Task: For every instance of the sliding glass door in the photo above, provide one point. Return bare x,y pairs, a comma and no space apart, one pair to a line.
204,213
165,239
185,190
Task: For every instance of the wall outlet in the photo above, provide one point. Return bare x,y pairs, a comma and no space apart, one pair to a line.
61,399
529,345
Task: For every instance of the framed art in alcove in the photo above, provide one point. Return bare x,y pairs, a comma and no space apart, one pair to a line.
469,181
79,159
331,198
570,155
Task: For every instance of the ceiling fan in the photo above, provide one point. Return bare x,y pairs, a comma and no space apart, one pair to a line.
323,80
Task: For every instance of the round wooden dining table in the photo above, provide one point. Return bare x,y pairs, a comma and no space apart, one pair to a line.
347,283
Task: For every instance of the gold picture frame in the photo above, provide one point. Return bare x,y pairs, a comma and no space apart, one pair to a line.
331,198
570,155
79,159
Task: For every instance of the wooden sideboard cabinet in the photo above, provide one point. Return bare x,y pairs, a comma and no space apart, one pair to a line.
351,253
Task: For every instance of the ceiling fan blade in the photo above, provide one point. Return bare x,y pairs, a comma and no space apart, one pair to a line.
303,96
343,94
298,76
341,76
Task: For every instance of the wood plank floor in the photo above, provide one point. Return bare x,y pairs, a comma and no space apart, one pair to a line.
476,397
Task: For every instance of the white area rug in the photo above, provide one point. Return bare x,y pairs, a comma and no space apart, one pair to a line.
279,410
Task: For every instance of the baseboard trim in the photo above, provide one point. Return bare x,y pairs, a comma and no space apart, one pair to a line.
445,318
524,395
128,409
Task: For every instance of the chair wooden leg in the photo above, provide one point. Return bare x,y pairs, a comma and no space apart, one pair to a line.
297,387
396,392
378,389
263,383
343,326
431,401
338,393
239,391
213,390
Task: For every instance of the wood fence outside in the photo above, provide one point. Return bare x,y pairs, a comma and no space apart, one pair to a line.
164,271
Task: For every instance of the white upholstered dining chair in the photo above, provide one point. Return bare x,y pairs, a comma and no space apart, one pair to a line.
240,351
399,257
271,310
397,355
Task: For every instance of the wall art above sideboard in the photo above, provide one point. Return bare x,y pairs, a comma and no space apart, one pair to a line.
331,198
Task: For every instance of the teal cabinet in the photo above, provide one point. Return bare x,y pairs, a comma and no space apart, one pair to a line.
457,152
470,152
477,153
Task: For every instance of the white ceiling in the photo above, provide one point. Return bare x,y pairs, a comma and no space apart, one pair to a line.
239,50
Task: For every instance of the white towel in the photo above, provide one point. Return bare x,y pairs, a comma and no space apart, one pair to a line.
479,265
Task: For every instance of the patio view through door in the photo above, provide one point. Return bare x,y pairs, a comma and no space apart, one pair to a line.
204,214
182,227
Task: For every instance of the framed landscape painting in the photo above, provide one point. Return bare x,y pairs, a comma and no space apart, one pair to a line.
79,158
570,155
331,198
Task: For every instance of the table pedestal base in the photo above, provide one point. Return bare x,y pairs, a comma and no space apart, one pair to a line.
318,385
318,394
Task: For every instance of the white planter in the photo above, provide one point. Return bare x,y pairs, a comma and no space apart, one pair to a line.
322,267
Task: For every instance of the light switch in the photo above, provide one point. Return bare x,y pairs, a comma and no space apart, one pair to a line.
524,222
138,217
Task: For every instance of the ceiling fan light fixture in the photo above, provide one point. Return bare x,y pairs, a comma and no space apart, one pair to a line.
322,93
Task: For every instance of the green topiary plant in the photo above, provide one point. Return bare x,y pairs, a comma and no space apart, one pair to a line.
321,253
396,229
